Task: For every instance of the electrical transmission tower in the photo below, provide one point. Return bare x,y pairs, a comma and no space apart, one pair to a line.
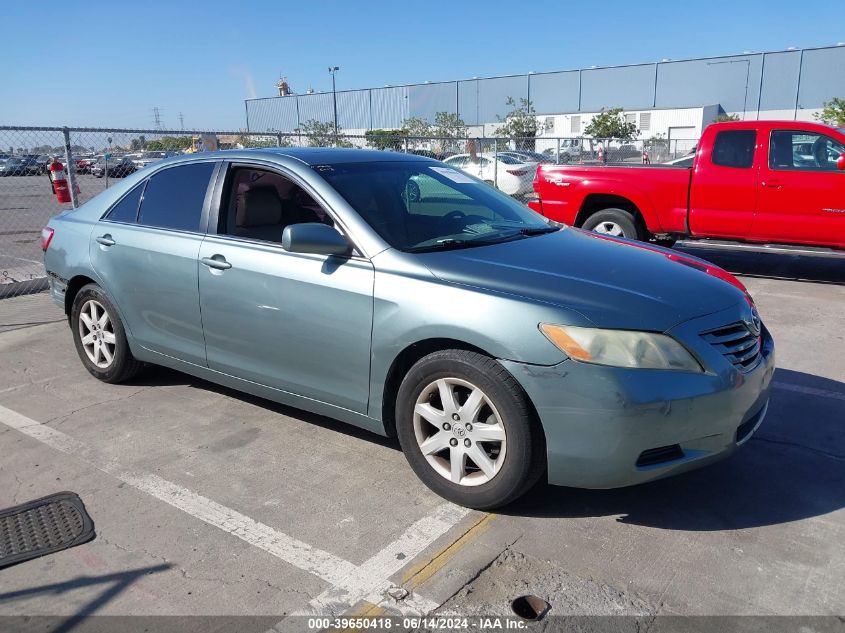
157,117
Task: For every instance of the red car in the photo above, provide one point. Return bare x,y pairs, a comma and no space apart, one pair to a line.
753,181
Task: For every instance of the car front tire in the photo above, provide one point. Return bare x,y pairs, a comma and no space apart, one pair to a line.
100,338
467,429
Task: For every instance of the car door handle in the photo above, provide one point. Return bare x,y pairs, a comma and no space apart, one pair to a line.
106,240
773,184
216,261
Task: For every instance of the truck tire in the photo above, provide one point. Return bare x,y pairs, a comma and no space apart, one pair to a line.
614,222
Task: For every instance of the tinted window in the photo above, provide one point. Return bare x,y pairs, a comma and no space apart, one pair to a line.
174,197
127,209
734,148
259,204
806,151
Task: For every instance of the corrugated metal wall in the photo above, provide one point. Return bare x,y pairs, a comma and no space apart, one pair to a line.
751,83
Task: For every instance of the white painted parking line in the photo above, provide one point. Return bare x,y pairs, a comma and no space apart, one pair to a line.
370,582
349,583
810,391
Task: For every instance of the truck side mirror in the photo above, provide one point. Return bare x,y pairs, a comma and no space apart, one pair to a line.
840,162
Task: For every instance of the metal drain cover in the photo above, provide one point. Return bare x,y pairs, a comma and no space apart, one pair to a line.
43,526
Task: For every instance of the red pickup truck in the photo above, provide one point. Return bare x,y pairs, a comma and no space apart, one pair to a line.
753,181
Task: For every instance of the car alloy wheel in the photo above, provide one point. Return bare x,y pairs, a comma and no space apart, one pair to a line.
459,432
96,333
609,228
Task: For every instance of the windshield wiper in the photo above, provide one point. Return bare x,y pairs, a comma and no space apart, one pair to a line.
454,244
540,230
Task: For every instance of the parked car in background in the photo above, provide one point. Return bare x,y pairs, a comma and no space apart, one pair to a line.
115,167
148,158
753,181
20,166
500,347
85,163
509,174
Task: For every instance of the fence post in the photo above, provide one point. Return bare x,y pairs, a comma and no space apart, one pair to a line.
557,152
71,169
406,144
279,139
496,162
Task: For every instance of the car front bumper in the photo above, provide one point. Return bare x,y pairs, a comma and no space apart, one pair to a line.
608,427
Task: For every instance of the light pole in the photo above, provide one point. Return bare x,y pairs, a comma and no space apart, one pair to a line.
332,71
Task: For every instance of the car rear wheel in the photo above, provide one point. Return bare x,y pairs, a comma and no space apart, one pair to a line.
467,429
100,338
614,222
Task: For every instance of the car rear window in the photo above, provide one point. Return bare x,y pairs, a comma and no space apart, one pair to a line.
735,148
174,197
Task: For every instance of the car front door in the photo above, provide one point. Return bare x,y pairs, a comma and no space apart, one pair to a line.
297,322
802,193
145,251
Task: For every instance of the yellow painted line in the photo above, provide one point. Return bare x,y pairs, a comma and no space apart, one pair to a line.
419,574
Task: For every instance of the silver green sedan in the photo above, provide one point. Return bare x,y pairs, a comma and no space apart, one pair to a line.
411,299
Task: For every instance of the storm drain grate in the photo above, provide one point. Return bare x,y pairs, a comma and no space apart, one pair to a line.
43,526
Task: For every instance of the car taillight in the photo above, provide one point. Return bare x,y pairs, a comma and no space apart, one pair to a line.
46,237
518,172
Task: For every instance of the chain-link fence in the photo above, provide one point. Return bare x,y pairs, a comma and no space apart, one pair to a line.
99,157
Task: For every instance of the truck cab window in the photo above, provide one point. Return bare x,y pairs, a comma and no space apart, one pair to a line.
805,151
735,148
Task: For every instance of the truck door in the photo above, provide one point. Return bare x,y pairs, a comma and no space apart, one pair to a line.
723,193
802,193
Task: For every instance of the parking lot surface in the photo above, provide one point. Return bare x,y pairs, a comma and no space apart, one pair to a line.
208,501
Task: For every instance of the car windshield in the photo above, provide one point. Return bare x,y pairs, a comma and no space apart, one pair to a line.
422,206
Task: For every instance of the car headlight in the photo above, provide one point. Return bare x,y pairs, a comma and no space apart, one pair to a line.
621,348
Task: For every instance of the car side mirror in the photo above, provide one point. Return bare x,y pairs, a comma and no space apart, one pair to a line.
314,237
840,162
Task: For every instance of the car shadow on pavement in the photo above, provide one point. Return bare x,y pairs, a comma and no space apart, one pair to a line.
774,265
157,376
793,468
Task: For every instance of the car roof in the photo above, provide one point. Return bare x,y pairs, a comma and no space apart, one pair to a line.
314,155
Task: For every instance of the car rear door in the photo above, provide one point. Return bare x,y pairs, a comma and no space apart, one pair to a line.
723,194
145,251
300,323
802,193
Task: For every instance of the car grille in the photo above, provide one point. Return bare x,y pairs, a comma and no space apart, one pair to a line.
659,455
736,343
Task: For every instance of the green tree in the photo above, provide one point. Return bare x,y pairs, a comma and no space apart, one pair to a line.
386,139
321,134
833,112
155,146
726,117
611,124
520,124
415,126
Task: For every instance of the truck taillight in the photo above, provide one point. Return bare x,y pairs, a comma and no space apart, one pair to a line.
46,237
536,183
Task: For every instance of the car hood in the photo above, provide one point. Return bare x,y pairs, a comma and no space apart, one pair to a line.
613,284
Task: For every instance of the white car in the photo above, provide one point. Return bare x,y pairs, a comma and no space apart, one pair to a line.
510,175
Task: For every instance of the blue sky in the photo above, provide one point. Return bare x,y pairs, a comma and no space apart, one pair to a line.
202,58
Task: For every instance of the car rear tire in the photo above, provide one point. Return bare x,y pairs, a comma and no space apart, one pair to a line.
468,431
100,338
615,223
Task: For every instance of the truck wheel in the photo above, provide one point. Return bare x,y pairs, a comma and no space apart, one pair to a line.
614,222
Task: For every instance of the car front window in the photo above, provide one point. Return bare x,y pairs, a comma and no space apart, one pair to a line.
419,206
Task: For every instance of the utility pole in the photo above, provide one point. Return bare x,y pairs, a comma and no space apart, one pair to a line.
181,121
332,71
